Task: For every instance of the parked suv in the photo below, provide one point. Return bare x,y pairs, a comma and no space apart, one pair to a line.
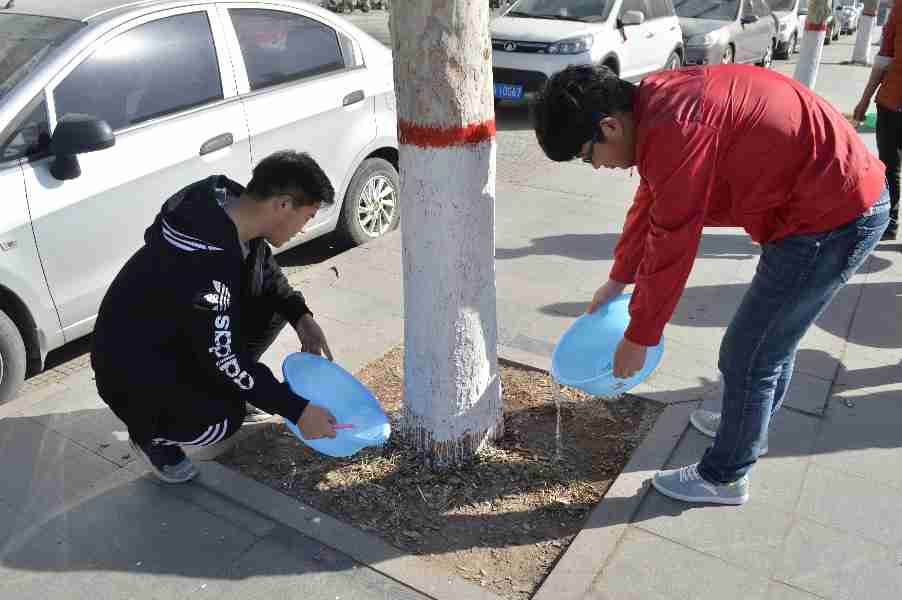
786,14
727,31
107,110
848,14
534,39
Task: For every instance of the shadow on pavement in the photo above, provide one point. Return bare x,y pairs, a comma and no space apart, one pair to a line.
601,247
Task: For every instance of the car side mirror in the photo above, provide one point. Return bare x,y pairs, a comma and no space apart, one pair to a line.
749,19
74,135
631,18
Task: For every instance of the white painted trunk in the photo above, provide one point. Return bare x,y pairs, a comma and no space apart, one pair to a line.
810,57
452,388
862,54
813,42
452,394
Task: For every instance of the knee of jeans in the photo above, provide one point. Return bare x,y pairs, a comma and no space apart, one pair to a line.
729,358
750,369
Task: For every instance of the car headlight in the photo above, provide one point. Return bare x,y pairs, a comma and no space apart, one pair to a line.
576,45
703,41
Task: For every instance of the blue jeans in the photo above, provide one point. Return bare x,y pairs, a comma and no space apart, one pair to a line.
795,281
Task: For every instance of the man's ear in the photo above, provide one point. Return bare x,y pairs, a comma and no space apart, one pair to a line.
611,125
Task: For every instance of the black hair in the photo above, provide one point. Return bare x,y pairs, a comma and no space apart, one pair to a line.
289,173
567,110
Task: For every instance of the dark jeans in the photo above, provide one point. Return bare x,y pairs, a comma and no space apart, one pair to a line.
889,146
795,281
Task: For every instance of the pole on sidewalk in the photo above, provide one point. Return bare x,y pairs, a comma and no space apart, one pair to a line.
862,54
446,129
813,42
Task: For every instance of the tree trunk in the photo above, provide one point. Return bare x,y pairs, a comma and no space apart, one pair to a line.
862,54
446,127
813,42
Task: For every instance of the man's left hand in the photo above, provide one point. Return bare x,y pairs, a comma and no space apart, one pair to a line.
629,359
313,340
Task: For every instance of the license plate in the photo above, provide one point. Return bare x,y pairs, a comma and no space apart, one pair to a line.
506,91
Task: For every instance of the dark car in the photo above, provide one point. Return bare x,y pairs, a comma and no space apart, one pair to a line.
726,31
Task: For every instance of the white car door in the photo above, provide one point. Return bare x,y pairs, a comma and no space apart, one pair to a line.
25,138
157,81
637,43
305,88
665,30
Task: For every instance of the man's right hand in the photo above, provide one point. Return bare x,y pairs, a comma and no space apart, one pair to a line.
860,111
316,422
605,294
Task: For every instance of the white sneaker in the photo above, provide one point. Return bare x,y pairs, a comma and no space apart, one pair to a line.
687,485
707,422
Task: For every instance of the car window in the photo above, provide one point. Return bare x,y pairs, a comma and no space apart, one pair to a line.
590,11
153,70
722,10
659,9
761,8
783,5
29,133
25,43
280,46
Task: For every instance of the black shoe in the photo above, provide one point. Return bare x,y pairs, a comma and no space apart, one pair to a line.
253,415
168,463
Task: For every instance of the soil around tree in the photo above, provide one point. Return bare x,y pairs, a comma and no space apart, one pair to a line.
501,522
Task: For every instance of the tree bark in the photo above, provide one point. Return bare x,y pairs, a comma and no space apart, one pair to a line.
813,42
446,126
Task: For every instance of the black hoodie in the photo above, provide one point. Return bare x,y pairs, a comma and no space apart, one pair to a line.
168,339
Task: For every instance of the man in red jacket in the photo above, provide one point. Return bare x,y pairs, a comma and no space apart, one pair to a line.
728,145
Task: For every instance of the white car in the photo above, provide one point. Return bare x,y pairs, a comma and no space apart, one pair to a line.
534,39
168,92
848,13
786,14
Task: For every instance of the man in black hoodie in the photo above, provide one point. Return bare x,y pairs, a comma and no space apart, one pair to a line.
181,329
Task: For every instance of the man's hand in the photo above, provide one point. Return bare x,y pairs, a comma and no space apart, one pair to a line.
316,422
861,110
605,294
629,359
313,340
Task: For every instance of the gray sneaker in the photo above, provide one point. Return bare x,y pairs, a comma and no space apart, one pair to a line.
168,463
707,422
687,485
253,415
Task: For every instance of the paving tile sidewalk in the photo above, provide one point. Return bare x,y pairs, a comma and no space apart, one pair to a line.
79,519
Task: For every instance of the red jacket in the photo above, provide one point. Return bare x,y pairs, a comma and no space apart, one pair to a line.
738,146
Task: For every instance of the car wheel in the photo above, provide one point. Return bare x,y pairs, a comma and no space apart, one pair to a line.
728,55
794,44
829,39
12,359
768,59
786,50
371,207
673,62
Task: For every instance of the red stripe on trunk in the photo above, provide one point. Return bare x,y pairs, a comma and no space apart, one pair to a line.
809,26
425,136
